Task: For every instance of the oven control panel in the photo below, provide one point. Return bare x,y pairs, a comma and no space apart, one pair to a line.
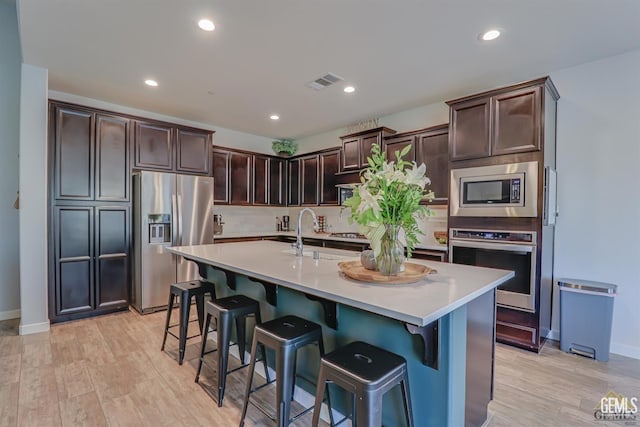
495,236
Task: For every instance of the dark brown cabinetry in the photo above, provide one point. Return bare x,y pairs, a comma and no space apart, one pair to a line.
293,182
504,121
221,176
329,163
240,166
309,173
277,182
397,143
432,149
90,155
356,147
260,180
193,151
91,260
165,147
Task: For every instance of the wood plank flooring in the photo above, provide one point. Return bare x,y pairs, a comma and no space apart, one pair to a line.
109,371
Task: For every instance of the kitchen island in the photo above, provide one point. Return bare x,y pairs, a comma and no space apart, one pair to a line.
435,323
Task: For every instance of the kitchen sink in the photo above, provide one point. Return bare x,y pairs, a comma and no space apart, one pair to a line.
348,235
322,255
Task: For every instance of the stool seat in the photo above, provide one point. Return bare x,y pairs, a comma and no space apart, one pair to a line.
369,363
185,291
225,311
367,372
285,335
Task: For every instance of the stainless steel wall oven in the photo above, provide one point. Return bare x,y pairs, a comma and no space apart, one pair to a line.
508,250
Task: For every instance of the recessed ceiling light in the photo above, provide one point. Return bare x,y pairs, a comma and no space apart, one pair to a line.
490,35
150,82
274,117
206,25
349,89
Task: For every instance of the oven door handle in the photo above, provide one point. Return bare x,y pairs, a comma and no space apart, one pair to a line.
520,249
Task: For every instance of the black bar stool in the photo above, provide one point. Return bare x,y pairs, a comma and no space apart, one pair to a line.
285,335
367,372
186,291
225,311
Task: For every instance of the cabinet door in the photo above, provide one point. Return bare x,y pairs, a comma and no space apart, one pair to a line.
309,174
74,154
398,143
350,153
260,180
516,121
293,181
366,144
240,178
112,256
113,177
329,162
154,148
277,182
193,151
73,252
221,176
470,137
433,151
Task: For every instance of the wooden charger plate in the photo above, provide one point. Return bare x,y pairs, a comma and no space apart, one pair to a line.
412,273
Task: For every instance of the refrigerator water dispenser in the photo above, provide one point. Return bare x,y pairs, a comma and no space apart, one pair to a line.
159,228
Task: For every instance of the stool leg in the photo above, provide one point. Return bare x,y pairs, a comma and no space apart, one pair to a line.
166,325
241,327
320,388
263,349
369,410
407,399
200,308
285,359
252,366
207,322
321,350
185,304
224,337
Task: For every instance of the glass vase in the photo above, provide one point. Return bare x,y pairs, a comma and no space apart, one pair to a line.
391,258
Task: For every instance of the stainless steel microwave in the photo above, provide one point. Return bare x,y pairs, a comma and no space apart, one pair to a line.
509,190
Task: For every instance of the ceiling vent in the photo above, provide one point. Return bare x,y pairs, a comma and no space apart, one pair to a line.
324,81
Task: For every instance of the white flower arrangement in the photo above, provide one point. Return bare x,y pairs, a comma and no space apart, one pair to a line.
390,194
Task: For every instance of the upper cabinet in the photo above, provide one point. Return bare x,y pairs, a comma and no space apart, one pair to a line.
165,147
277,181
260,180
329,164
309,174
504,121
90,154
221,176
356,147
293,182
398,143
240,168
432,149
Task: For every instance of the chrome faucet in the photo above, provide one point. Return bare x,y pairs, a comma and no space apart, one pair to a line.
316,227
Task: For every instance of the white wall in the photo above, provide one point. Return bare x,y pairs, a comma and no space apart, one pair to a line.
33,200
598,159
404,121
223,137
10,59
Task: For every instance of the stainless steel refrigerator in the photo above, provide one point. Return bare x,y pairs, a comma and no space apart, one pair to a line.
168,210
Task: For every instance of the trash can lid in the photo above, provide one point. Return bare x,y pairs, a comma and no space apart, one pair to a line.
587,285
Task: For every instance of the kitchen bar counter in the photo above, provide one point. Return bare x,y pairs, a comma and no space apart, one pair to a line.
444,325
419,304
308,235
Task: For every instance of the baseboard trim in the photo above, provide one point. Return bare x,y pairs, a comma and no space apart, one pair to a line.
9,314
619,349
33,328
626,350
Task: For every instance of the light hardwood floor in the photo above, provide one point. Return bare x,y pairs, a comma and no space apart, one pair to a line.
109,371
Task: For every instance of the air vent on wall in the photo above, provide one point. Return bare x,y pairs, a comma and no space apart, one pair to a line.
324,81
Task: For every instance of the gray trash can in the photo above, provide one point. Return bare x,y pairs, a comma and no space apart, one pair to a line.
586,314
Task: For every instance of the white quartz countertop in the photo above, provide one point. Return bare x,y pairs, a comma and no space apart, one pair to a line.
418,303
321,236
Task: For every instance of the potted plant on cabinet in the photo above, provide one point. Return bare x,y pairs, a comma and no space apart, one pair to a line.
284,147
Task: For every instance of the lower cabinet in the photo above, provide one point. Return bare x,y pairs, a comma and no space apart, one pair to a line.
91,256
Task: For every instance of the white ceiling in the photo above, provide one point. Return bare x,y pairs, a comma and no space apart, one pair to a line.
399,54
